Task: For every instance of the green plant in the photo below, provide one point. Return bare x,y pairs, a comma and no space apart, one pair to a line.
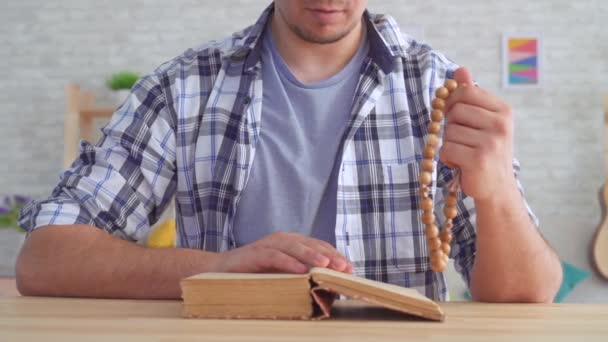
10,206
122,80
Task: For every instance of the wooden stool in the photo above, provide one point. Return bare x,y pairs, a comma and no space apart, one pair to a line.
79,119
600,244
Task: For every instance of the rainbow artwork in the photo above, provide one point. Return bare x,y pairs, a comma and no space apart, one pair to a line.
522,61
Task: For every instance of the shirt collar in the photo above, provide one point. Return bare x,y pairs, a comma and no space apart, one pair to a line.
386,42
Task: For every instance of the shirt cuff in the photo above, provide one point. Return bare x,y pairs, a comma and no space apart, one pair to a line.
52,212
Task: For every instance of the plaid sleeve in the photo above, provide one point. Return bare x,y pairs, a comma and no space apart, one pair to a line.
124,183
463,246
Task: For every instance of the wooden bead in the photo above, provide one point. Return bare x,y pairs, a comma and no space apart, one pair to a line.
425,178
437,115
446,236
438,242
438,104
451,200
433,244
428,218
448,227
427,165
432,140
424,191
434,127
442,93
445,248
450,212
448,224
427,204
431,231
438,265
451,85
428,152
436,254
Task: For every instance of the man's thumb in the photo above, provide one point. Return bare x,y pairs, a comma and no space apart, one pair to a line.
463,76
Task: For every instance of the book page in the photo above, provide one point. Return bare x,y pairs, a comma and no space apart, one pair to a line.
388,295
326,274
247,276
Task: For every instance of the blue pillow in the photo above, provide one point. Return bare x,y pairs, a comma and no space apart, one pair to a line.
572,276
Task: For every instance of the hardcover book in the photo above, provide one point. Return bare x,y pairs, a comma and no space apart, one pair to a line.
293,296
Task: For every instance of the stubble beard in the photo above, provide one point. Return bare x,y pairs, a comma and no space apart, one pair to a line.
310,37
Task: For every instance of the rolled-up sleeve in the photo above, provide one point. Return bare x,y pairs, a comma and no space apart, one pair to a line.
464,230
124,182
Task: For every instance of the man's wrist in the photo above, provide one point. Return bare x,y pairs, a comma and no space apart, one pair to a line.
193,261
505,200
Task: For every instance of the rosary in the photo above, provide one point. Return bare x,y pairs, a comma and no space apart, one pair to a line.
438,242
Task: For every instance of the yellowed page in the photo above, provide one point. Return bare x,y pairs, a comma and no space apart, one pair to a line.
389,295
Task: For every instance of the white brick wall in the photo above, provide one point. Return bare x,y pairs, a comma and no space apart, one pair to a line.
45,44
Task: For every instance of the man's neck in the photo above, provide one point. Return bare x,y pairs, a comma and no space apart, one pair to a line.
313,62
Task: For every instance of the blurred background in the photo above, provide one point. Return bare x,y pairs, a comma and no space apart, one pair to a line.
46,45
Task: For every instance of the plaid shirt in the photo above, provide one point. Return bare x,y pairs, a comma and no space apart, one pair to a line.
190,129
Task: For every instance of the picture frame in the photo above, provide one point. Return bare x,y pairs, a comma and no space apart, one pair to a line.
522,60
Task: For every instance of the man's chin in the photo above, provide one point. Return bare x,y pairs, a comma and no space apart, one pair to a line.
321,38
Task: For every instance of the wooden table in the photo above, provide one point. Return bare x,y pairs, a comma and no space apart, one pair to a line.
60,319
8,287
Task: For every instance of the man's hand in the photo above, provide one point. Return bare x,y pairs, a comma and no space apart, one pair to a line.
512,262
283,252
478,138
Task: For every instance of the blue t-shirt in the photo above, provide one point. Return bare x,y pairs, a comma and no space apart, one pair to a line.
294,176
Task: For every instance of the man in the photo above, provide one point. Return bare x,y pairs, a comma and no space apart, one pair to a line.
294,143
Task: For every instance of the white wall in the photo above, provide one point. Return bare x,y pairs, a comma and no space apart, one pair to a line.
45,44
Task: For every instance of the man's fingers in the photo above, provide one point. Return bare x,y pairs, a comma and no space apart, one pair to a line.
275,260
337,261
323,243
292,245
463,135
475,96
456,154
307,250
462,75
471,116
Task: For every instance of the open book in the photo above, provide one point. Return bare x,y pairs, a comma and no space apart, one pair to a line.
293,296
